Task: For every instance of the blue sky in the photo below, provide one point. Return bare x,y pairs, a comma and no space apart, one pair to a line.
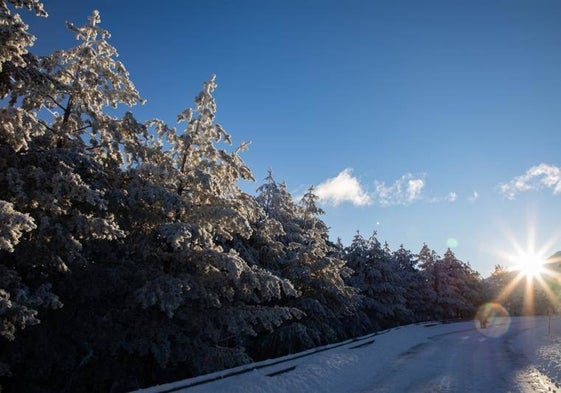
425,121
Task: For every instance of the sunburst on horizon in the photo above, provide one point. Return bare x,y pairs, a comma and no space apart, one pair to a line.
532,265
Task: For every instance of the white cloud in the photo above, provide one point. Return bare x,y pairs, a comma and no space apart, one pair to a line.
343,188
474,197
536,178
450,197
403,191
414,189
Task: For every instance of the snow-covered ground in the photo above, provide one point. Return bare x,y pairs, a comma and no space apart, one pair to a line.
512,355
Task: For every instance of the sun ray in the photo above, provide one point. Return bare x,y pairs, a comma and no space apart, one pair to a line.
509,288
555,302
528,306
533,281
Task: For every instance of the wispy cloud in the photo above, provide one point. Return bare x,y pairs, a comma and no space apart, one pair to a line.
536,178
403,191
450,197
343,188
474,197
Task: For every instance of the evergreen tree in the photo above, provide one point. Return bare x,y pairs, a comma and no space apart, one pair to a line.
56,184
19,302
458,287
90,187
212,297
53,182
427,262
365,276
377,275
311,264
415,288
317,268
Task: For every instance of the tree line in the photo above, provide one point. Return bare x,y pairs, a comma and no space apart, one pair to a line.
129,256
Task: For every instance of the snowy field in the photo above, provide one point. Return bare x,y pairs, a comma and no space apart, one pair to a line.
512,355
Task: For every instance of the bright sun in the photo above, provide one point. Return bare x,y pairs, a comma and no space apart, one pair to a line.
528,264
532,271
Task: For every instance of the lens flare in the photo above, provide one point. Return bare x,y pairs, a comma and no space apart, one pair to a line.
492,319
452,243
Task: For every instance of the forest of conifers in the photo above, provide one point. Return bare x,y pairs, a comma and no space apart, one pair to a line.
129,256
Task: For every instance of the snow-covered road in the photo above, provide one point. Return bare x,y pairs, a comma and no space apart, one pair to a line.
464,361
513,355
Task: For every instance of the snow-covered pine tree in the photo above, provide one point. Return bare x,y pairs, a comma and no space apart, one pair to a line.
266,194
427,260
18,302
469,285
448,290
212,297
378,275
74,180
313,267
365,276
458,288
280,207
319,257
64,176
298,250
264,248
61,161
416,290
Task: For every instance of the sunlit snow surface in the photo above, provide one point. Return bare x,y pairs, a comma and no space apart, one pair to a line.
430,357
